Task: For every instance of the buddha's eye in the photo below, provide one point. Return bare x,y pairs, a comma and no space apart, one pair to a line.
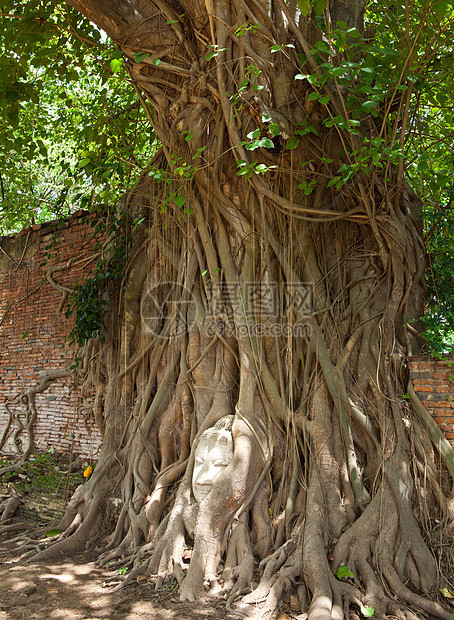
198,462
220,464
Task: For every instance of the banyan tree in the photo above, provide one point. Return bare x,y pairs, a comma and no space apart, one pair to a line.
261,436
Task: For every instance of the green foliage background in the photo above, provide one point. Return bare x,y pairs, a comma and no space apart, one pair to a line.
73,135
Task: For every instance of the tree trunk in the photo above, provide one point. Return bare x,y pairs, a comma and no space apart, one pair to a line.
260,291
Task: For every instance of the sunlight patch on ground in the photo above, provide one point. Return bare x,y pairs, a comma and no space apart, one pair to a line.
64,578
146,608
64,614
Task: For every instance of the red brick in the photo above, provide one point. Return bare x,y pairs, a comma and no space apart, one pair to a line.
21,359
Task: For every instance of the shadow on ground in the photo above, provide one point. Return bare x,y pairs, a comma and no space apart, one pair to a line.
75,589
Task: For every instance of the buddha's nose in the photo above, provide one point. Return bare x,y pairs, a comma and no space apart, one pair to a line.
206,475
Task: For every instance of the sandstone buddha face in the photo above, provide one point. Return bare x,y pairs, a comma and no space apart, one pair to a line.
213,454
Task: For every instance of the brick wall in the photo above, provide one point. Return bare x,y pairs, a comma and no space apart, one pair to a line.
434,384
33,334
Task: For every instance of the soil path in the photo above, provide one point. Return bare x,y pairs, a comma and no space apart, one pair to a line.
75,589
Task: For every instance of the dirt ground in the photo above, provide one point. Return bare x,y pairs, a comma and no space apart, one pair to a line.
75,589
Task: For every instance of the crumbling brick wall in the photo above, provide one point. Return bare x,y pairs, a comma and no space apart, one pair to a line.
33,331
433,381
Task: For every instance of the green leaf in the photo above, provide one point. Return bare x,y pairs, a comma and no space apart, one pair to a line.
141,56
312,79
322,46
42,148
11,95
343,572
369,105
175,21
214,52
447,593
84,162
292,143
276,48
116,64
319,6
250,146
156,62
305,7
179,201
367,611
308,188
313,97
253,134
266,143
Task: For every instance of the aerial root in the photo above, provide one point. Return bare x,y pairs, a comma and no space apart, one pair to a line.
232,598
240,563
271,566
13,527
166,559
117,555
69,544
411,598
281,572
137,571
9,504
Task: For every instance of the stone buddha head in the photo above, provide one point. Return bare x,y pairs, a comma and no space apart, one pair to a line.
214,452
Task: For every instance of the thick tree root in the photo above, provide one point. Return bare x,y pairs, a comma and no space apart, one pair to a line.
8,505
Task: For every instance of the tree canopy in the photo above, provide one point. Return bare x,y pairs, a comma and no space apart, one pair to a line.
75,136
